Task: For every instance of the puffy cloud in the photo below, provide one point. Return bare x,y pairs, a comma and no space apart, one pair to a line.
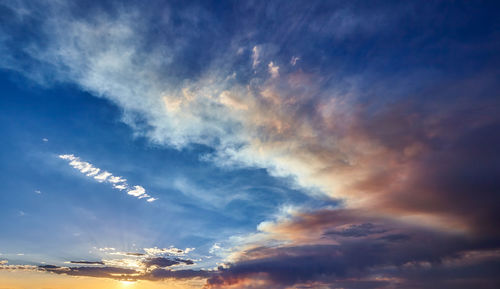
137,191
273,69
117,182
167,251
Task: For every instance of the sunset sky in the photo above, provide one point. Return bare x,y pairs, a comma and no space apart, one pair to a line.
249,144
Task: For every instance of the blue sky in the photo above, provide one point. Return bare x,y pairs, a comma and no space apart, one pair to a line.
281,144
199,204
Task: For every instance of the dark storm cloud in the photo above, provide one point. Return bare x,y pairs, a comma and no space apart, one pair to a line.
388,254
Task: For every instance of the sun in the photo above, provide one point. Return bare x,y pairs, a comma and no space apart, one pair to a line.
127,283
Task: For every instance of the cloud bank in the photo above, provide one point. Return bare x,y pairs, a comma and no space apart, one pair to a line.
154,265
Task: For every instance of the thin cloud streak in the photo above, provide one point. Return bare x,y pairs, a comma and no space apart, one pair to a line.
101,176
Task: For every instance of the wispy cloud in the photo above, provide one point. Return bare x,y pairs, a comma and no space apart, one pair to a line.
101,176
256,50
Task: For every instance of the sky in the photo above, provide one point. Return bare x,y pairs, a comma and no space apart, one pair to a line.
249,144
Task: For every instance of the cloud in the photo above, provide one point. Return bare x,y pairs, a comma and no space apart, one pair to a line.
168,251
151,258
99,272
165,262
87,262
147,268
273,69
117,182
255,56
341,248
122,273
137,191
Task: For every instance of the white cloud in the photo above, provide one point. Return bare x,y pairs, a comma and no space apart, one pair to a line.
117,182
167,251
106,249
114,179
120,187
273,69
137,191
102,176
45,139
255,56
215,247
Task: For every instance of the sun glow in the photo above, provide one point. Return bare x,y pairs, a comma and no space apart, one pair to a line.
127,283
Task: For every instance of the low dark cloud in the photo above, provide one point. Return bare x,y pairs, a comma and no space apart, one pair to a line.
100,272
87,262
134,254
118,273
377,254
165,262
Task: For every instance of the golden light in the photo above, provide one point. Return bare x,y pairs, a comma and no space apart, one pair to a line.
127,283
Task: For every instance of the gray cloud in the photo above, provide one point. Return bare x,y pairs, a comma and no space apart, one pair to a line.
87,262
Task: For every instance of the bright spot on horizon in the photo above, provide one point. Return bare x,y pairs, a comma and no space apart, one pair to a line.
127,283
